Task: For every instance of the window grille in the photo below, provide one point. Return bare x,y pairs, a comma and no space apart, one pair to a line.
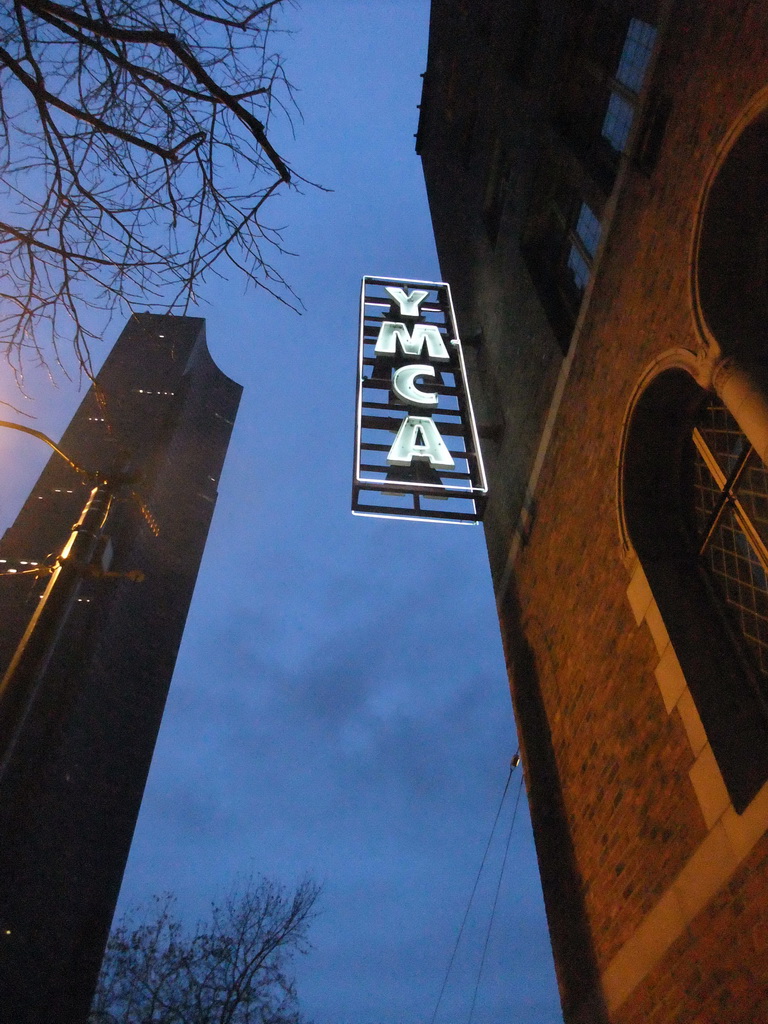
730,506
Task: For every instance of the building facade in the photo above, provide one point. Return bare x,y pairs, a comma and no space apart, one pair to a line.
70,795
597,172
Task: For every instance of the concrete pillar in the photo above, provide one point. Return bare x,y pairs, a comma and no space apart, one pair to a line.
744,391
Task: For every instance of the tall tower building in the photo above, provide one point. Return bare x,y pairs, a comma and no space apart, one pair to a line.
70,795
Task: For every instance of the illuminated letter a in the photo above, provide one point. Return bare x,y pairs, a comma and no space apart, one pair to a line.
419,438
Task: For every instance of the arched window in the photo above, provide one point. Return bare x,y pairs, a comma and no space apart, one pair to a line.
729,506
695,509
694,493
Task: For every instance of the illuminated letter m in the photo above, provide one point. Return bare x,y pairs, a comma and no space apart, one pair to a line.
391,334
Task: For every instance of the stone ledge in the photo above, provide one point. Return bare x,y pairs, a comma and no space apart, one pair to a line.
709,787
706,872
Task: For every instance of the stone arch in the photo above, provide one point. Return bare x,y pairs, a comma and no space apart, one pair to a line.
680,372
730,245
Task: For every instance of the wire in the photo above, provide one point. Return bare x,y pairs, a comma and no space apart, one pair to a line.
512,767
495,901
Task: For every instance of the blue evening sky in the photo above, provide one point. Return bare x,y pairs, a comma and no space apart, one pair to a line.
340,706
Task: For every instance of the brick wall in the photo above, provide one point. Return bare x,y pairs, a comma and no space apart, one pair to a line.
718,970
637,855
623,762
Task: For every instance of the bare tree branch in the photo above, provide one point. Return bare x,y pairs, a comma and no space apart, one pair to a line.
154,37
134,156
233,968
42,96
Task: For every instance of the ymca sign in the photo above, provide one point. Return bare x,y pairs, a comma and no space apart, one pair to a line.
417,454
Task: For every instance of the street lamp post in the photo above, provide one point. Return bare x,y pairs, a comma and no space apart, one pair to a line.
21,682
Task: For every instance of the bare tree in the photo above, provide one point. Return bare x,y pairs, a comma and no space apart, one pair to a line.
135,156
233,969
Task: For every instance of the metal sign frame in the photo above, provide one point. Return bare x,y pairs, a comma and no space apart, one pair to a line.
417,450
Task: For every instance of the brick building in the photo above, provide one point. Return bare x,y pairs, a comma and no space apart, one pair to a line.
70,796
597,172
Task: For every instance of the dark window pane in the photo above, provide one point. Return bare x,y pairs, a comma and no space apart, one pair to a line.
753,494
731,557
588,229
722,434
740,579
579,268
618,122
636,54
706,494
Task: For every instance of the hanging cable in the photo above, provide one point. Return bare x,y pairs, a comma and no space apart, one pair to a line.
495,901
513,764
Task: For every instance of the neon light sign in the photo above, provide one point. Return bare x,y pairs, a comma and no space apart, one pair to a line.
417,453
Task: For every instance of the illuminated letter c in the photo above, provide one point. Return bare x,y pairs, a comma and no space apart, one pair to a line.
403,385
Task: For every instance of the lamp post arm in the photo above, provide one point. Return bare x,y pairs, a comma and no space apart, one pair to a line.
51,444
21,682
20,685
